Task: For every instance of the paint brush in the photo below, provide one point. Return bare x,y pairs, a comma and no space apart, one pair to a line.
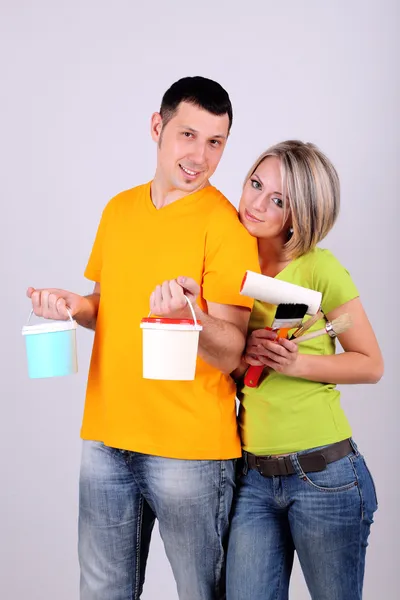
332,328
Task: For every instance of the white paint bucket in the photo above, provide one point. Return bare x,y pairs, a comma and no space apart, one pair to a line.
170,347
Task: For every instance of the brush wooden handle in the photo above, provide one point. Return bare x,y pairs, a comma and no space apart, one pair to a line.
309,336
309,323
254,372
333,328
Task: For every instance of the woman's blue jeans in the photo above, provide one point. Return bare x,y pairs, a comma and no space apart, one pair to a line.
325,517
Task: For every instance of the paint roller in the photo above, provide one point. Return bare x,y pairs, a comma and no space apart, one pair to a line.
275,291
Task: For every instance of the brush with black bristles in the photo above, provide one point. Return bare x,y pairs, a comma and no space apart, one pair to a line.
287,317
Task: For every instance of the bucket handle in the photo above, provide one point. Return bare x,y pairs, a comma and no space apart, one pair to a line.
31,313
191,310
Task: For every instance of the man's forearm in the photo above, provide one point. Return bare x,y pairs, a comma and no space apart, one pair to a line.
221,342
87,315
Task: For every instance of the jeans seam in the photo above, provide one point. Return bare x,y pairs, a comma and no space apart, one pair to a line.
372,480
221,493
138,538
359,562
359,491
278,589
362,519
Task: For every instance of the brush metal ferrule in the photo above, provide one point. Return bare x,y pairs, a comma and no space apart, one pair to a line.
329,329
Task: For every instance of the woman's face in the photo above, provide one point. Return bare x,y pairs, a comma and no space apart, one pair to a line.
261,207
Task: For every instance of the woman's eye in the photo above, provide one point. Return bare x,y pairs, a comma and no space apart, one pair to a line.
278,202
255,184
187,134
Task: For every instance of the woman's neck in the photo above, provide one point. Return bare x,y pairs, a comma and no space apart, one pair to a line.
272,257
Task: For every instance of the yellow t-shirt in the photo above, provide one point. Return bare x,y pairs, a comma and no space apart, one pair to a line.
286,414
138,247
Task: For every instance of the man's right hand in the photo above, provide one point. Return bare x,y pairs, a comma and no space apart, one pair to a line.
52,303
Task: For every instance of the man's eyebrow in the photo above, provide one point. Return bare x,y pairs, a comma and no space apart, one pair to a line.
212,137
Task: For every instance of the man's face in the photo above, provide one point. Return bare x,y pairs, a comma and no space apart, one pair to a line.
190,146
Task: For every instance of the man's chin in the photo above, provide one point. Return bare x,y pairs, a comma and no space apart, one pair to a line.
189,185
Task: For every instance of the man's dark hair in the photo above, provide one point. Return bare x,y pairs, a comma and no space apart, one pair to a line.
199,91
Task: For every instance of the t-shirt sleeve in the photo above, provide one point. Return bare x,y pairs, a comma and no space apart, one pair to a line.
95,263
230,252
334,281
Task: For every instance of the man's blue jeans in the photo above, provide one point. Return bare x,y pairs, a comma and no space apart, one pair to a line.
121,494
325,517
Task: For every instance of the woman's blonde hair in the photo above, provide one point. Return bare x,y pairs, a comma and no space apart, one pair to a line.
311,185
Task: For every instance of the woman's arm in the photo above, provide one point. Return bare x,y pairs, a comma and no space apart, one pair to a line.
361,361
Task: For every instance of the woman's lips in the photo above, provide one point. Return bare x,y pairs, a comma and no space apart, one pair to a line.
251,217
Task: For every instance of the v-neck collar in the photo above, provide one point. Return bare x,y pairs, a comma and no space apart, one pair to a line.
176,204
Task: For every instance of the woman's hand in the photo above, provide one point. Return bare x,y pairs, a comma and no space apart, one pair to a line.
265,348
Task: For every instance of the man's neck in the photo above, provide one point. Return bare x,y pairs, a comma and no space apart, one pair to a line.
163,194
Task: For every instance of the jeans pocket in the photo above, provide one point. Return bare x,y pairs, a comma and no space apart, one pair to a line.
338,476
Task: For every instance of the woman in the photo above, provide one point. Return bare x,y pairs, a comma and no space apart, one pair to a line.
303,485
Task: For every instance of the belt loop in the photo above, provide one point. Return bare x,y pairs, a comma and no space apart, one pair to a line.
354,446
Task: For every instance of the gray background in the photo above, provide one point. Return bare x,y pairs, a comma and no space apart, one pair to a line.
79,81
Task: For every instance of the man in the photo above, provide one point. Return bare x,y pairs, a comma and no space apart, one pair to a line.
162,449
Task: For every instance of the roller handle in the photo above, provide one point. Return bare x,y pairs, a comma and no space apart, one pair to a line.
253,375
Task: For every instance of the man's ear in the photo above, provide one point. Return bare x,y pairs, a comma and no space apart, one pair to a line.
156,127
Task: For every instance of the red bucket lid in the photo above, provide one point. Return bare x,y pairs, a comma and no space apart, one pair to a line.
166,321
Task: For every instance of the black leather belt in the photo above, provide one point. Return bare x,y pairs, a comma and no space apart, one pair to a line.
273,466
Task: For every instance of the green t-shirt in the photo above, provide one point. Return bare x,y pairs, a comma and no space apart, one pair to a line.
286,414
